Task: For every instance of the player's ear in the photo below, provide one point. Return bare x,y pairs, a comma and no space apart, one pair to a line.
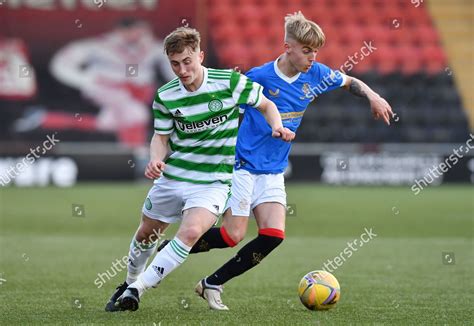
201,56
287,47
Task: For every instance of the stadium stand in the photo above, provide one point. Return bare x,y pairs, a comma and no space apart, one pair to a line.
409,67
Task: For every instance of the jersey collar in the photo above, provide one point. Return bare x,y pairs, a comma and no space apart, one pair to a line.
203,85
282,75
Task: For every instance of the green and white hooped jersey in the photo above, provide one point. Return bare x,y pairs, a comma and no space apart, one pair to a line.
203,124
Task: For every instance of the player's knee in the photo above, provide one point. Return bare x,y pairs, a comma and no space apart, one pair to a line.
232,236
190,235
236,234
144,235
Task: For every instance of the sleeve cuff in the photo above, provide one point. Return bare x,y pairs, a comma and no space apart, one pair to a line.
344,79
163,132
259,97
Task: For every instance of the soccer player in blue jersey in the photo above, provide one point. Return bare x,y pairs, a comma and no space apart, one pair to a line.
292,81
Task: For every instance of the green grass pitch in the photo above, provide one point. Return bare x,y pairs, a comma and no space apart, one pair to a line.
49,259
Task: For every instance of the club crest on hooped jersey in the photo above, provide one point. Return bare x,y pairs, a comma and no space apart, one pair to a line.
306,91
215,105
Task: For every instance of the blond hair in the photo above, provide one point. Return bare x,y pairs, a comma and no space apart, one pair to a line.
180,39
304,31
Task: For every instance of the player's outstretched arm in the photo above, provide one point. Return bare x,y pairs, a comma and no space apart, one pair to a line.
380,108
271,114
158,152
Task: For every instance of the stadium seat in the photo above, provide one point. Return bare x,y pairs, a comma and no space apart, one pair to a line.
427,34
228,33
234,54
411,59
247,14
434,59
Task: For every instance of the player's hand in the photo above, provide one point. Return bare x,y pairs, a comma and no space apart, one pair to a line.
284,133
154,169
381,109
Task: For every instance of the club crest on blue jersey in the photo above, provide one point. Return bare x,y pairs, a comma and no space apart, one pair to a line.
306,89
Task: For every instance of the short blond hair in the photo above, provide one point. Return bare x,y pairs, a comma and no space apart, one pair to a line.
180,39
303,30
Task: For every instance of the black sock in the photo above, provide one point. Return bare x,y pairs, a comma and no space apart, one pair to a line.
209,240
249,256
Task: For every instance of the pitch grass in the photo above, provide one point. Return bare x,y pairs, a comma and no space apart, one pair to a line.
50,259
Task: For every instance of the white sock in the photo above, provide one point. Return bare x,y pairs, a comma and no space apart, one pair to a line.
137,258
170,257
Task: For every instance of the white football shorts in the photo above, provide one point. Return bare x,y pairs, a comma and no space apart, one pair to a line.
168,198
250,190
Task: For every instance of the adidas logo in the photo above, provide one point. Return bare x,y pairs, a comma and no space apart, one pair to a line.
178,113
158,270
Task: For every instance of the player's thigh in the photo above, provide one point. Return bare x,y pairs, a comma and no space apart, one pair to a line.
270,215
269,201
163,206
202,205
242,189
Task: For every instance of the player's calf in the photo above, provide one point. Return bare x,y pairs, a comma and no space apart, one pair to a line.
249,256
215,238
231,232
143,246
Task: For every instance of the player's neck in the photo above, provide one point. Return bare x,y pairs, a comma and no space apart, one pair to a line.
286,67
194,86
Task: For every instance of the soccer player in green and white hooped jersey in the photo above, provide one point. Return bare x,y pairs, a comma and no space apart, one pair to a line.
196,114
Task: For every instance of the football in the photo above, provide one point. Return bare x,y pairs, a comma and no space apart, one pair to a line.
319,290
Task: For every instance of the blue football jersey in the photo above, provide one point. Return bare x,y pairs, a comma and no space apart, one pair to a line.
257,151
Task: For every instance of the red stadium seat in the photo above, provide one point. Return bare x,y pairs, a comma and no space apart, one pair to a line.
434,59
228,33
427,35
380,36
386,60
342,17
350,34
253,30
220,14
275,33
243,3
233,55
247,14
270,14
411,59
261,52
364,16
